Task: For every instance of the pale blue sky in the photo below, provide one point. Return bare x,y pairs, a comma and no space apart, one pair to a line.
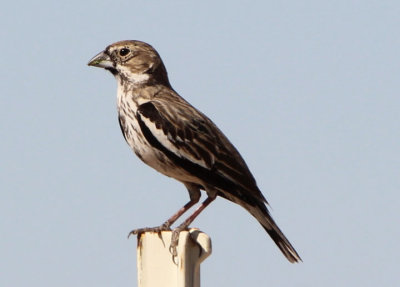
307,91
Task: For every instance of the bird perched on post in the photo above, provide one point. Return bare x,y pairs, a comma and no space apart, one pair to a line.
176,139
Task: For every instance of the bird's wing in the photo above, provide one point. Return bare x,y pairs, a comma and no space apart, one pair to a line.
194,143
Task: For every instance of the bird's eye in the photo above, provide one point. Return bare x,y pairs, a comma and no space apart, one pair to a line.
124,52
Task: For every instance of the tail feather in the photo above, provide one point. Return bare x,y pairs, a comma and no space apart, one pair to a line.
261,213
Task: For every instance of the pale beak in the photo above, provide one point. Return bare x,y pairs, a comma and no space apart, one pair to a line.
101,60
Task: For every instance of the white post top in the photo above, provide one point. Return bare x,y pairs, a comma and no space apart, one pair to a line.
157,267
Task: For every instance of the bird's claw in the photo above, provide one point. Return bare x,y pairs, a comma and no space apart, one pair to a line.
158,229
174,242
175,239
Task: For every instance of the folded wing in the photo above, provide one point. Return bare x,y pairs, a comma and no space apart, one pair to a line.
192,141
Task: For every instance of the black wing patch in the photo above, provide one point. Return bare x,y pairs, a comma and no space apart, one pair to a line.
121,121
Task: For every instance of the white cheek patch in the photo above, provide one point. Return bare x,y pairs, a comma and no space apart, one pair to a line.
132,77
139,78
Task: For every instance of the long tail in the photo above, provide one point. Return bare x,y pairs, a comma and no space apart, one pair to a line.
261,213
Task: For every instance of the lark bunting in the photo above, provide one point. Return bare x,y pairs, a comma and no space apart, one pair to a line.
176,139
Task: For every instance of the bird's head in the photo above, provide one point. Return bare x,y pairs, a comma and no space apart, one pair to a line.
133,61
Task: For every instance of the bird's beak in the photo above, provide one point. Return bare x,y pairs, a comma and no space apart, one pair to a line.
101,60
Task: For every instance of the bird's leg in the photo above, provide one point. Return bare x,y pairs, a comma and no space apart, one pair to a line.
166,226
194,193
186,223
179,213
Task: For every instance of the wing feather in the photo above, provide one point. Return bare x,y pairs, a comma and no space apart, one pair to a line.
193,140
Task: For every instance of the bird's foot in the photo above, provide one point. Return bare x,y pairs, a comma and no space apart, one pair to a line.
175,239
164,227
159,229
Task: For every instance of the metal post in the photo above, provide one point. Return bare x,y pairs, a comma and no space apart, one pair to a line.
157,267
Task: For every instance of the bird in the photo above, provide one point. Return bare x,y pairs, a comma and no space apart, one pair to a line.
170,135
